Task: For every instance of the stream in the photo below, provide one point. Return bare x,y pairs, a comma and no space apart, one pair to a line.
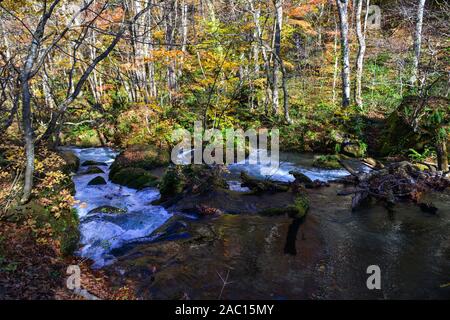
323,257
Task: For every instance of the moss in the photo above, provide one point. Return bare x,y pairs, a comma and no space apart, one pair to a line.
97,181
399,135
301,205
64,228
136,178
140,156
108,209
93,170
327,162
198,179
296,210
69,232
354,150
172,183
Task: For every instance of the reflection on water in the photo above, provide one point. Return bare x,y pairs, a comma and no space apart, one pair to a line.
270,258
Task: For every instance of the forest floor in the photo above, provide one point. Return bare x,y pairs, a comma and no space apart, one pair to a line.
36,270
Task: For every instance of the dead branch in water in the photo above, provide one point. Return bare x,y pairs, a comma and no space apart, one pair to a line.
401,180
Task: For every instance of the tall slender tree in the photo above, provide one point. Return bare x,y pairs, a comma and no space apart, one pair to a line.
361,35
417,41
345,59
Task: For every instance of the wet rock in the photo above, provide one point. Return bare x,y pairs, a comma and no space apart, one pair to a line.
88,163
97,181
300,177
352,149
296,210
72,162
259,186
107,209
327,162
135,178
93,170
174,228
193,179
145,157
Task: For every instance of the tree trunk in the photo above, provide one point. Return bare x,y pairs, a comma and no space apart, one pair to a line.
442,155
360,32
276,57
29,139
417,41
345,59
336,61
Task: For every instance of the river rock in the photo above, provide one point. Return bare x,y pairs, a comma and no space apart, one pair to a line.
300,177
107,209
88,163
93,170
135,178
72,162
327,162
97,181
145,157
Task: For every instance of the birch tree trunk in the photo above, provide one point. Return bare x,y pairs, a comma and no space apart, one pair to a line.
345,59
417,41
276,49
361,35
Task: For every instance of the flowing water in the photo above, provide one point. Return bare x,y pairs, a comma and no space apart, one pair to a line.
325,255
102,232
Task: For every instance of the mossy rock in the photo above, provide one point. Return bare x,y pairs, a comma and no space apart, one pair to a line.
72,162
296,210
64,227
69,240
399,135
88,163
196,178
327,162
140,156
172,183
93,170
88,139
107,209
300,177
135,178
353,149
97,181
259,186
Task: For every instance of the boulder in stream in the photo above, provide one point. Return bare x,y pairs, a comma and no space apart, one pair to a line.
107,209
145,157
93,170
88,163
97,181
135,178
72,162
